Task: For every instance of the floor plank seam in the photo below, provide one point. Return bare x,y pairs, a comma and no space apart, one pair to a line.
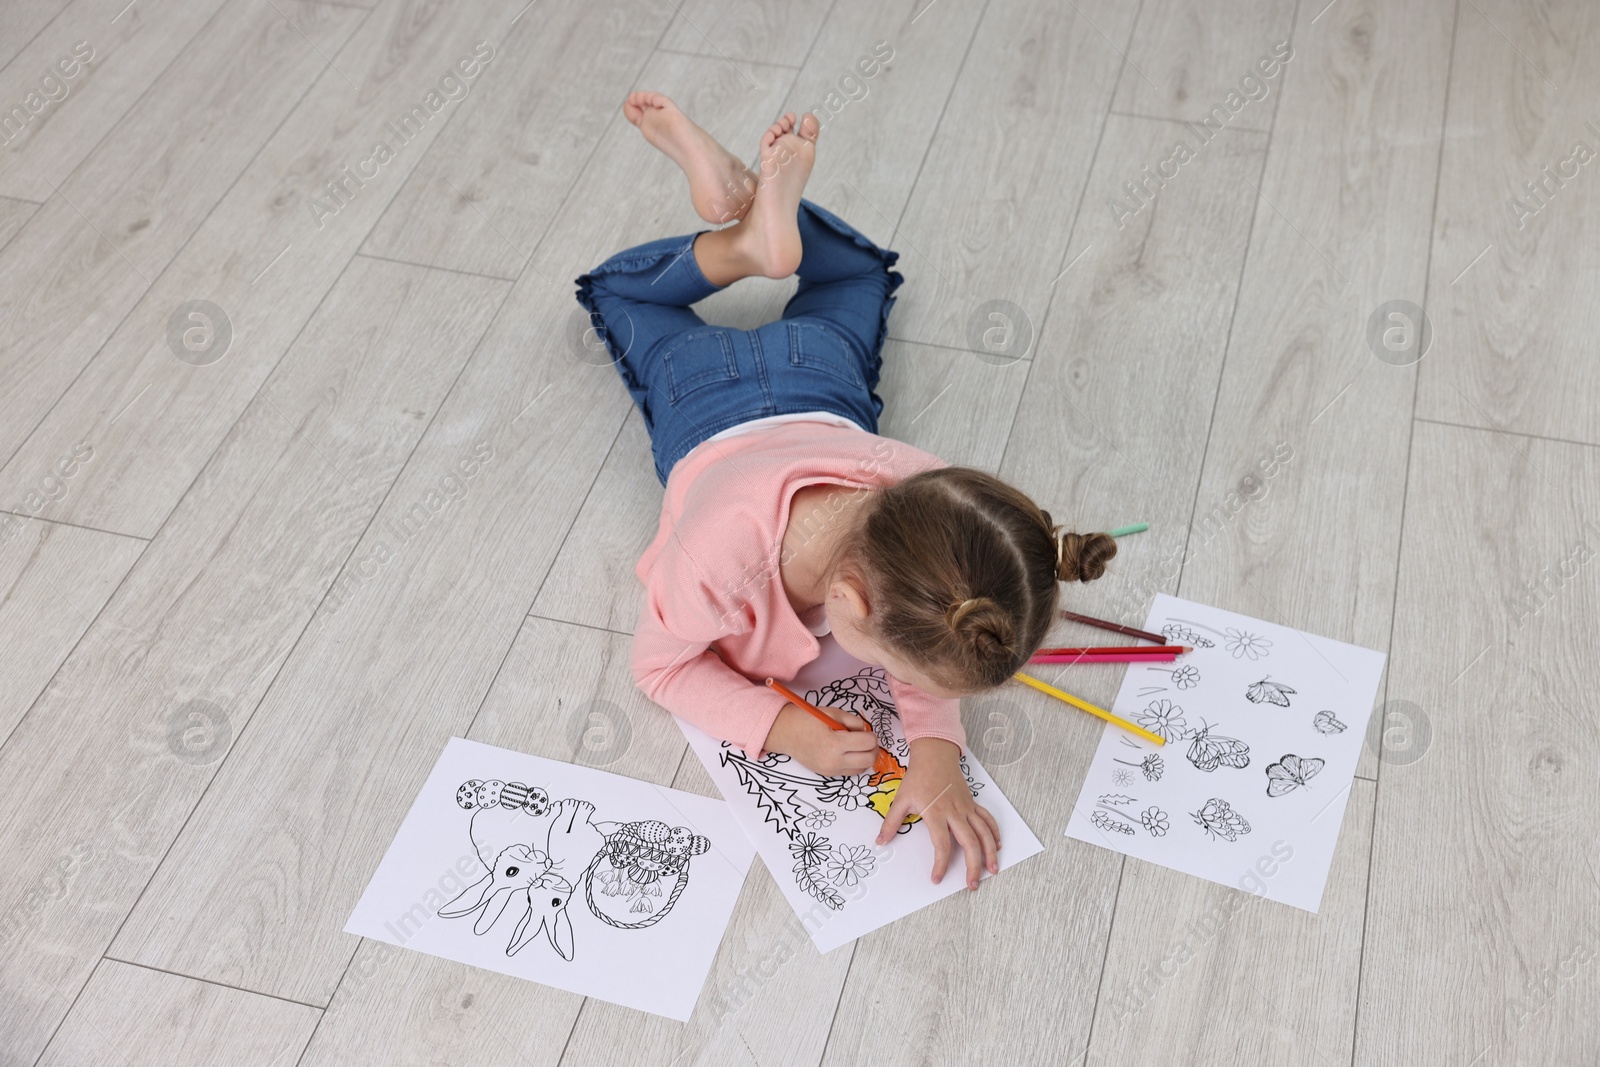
573,622
1185,122
948,348
1506,433
729,59
75,525
213,982
431,266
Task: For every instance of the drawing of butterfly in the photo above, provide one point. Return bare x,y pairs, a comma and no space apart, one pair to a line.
1220,820
1327,723
1270,691
1208,753
1290,773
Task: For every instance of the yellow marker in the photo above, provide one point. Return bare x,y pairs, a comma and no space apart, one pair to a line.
1084,705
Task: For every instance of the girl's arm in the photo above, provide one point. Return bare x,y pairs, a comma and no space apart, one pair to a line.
674,664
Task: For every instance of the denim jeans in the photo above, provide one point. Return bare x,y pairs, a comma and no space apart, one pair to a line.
691,380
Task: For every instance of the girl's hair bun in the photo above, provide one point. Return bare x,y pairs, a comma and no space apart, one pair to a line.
985,626
1082,557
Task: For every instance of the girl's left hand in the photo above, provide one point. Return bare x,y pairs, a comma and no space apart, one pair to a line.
935,789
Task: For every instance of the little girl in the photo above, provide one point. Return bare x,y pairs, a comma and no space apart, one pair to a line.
786,516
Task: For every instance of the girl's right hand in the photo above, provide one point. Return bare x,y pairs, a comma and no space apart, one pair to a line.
830,753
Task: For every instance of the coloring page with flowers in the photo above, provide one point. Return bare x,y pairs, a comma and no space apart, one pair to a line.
1263,727
818,835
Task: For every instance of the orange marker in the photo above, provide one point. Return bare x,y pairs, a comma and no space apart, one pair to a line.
884,764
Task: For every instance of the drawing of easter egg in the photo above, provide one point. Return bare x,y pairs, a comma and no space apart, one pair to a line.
514,795
654,831
680,839
537,803
489,792
467,795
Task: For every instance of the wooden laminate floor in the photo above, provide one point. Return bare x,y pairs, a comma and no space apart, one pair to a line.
237,351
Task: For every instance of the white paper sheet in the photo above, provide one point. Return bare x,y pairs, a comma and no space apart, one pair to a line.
1256,707
554,833
817,835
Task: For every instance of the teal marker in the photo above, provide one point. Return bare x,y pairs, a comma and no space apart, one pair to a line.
1123,531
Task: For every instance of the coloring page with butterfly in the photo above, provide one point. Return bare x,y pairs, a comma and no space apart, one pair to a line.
818,835
1263,727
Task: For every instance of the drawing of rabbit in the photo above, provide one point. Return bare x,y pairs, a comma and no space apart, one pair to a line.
535,852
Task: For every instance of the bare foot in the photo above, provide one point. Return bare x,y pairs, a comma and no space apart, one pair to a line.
770,233
720,186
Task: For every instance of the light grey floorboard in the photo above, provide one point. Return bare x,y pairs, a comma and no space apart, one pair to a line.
1511,295
1186,59
88,255
1483,919
266,258
164,684
993,206
130,1015
112,61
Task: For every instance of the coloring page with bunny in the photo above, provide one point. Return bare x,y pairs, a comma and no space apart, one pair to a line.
1263,727
565,875
818,835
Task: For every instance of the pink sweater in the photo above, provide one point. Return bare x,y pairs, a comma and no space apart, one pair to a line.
716,622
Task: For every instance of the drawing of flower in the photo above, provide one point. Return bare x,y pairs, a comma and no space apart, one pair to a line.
849,864
819,818
1121,777
809,849
1242,643
1186,677
1151,767
1164,719
772,759
1155,820
849,793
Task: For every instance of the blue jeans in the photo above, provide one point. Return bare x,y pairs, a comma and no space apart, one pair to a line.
692,381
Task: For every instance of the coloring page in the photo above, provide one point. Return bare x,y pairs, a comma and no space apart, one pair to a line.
564,875
1263,727
818,835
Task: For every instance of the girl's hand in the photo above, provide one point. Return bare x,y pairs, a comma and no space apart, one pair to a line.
935,789
830,753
